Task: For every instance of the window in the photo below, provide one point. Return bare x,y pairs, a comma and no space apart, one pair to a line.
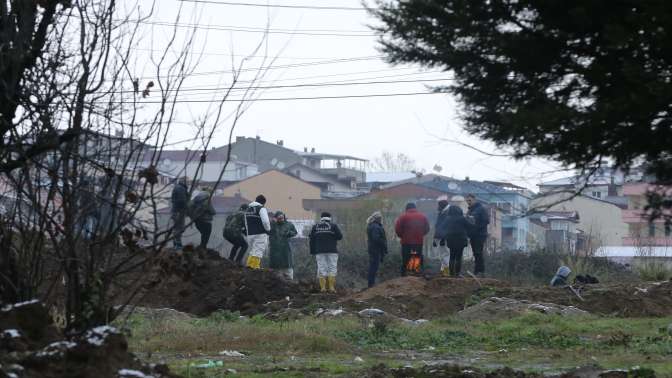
597,194
652,230
668,229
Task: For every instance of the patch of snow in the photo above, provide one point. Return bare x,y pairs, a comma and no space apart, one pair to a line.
12,375
56,349
132,373
369,312
96,336
329,312
231,353
20,304
232,371
10,334
359,359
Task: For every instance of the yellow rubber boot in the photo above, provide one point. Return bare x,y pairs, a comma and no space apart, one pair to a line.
323,284
254,262
331,283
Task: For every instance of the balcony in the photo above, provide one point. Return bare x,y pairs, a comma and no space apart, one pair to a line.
647,242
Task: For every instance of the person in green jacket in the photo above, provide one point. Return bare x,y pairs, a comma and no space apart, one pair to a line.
281,252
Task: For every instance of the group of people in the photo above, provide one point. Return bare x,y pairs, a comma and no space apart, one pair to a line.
453,231
256,229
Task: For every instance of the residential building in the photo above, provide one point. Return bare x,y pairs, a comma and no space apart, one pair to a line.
604,184
331,184
203,166
641,230
600,220
267,156
375,180
282,191
560,231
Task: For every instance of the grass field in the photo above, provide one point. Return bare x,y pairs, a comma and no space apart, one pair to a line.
346,345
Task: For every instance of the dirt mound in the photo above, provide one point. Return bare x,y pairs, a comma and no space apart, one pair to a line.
31,346
454,371
447,371
624,300
202,283
507,308
418,297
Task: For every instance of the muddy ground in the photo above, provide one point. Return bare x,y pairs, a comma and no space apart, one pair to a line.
202,283
31,346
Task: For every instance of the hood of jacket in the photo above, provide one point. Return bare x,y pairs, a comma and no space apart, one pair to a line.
202,196
455,210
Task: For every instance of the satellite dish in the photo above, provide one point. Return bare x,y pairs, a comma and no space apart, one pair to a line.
543,219
453,186
281,165
274,162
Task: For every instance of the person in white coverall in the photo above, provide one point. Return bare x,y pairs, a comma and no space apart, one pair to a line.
324,237
257,226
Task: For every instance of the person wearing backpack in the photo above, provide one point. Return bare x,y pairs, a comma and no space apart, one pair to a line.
234,233
281,252
257,226
202,212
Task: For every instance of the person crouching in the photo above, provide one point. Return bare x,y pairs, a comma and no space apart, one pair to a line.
323,239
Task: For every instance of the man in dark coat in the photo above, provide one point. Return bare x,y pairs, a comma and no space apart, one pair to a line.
179,199
202,214
478,234
324,237
234,233
377,244
451,231
281,252
411,227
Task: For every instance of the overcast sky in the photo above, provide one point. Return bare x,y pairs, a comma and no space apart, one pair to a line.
323,46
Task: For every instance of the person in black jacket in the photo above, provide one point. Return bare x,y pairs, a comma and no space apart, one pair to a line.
179,199
478,234
451,230
323,239
377,244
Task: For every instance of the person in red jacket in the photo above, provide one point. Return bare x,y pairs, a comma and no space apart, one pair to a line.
411,227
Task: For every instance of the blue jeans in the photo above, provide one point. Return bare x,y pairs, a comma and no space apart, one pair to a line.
374,263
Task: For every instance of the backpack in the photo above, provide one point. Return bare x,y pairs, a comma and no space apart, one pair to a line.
194,209
234,225
190,210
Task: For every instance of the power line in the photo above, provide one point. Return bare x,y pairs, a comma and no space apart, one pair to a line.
318,58
292,6
284,98
249,29
295,65
303,85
